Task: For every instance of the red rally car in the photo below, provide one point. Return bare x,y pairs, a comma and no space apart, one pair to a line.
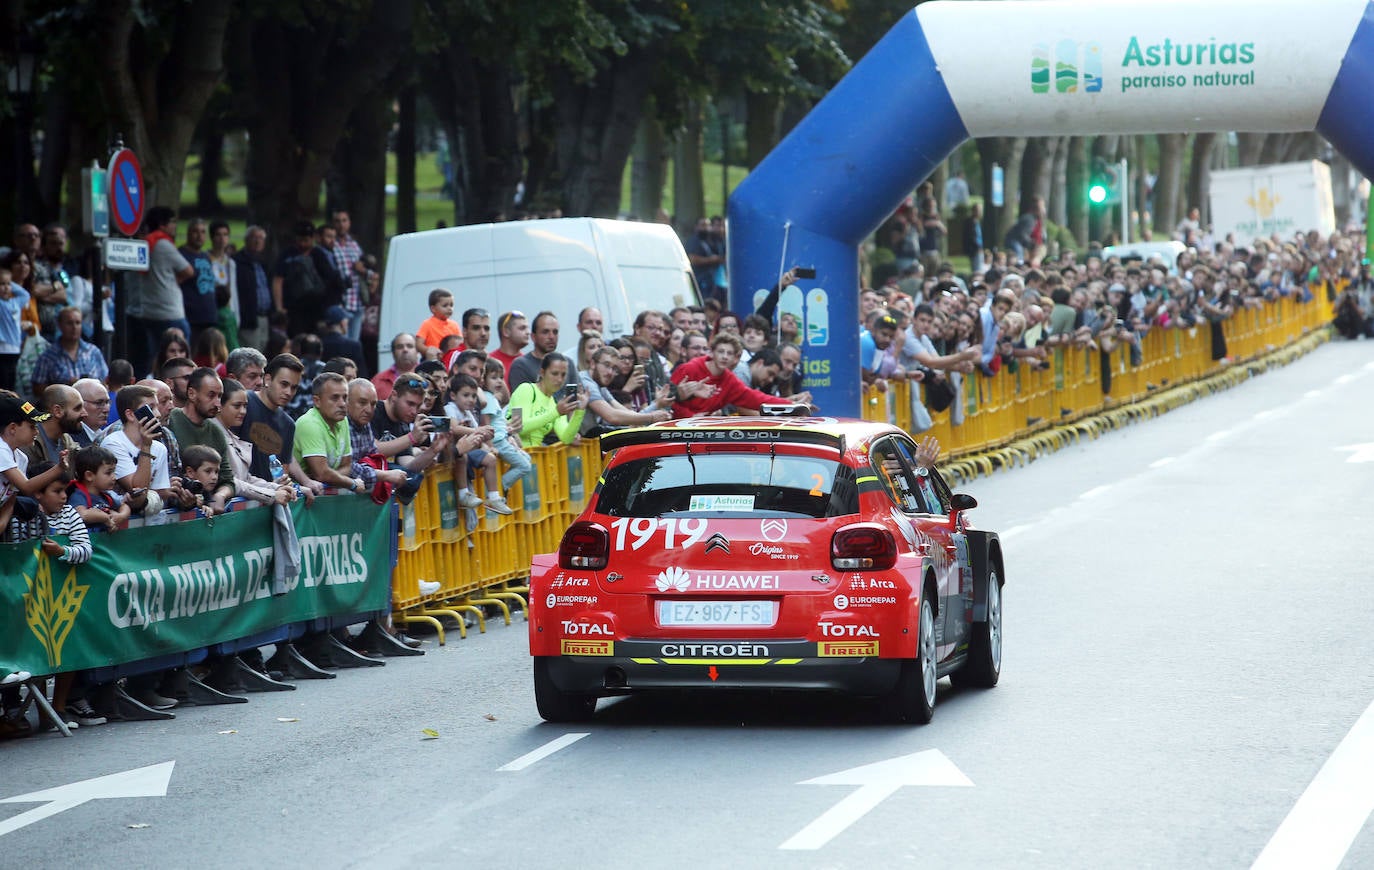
759,553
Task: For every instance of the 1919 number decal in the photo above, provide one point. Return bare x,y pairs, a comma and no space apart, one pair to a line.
642,529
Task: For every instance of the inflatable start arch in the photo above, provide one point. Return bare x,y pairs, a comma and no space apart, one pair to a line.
953,70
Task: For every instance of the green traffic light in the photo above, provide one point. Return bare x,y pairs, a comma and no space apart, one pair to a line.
1097,194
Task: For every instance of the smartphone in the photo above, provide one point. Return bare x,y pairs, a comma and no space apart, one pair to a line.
806,271
569,391
638,370
440,423
145,412
517,417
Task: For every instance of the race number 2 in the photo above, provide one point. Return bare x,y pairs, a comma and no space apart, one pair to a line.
676,533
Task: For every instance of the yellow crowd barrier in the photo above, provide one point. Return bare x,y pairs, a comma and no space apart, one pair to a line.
481,559
1080,384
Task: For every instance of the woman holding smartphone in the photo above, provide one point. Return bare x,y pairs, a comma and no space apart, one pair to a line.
551,411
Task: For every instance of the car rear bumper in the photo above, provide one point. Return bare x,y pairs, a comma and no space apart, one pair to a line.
629,666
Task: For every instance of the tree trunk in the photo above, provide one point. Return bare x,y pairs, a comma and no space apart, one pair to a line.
1104,223
1059,183
156,99
1140,188
1301,146
597,122
1274,146
1200,176
1167,184
1250,147
991,151
211,166
1076,188
293,131
357,172
57,151
648,172
405,161
689,194
1015,153
761,126
541,154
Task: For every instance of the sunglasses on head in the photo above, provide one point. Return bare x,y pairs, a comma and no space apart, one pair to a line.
414,383
508,317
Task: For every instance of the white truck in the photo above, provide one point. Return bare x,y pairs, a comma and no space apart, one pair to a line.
562,265
1261,201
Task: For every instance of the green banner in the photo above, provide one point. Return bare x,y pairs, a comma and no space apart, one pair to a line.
158,590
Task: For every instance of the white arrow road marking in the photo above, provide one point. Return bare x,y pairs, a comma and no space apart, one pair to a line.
148,781
1331,812
544,751
1359,452
877,782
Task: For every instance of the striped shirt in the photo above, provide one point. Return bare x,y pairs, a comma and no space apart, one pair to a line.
65,522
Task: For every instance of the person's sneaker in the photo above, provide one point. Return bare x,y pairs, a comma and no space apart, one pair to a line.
149,698
469,499
497,504
429,587
16,677
80,711
46,724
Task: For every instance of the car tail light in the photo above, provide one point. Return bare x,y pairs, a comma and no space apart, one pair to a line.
865,545
584,545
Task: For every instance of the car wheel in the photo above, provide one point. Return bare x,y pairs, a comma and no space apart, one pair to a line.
914,698
554,704
984,663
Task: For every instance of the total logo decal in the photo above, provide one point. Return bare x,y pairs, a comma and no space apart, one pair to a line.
585,629
844,629
844,602
551,600
676,579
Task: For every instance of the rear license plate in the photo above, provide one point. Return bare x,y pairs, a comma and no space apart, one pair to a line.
717,613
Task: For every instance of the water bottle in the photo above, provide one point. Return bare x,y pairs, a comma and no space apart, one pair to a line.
274,464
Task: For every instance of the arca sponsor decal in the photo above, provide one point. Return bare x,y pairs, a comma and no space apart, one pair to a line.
725,650
585,628
841,629
561,582
837,649
678,534
588,648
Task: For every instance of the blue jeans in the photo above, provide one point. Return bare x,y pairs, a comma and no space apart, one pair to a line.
355,325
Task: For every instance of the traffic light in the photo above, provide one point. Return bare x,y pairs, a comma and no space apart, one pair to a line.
1104,186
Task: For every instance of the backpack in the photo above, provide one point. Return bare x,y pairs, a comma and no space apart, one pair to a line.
302,284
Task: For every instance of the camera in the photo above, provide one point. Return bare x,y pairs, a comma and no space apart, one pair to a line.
439,422
194,487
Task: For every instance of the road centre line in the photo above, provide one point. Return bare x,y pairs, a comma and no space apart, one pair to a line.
1332,810
1161,462
544,751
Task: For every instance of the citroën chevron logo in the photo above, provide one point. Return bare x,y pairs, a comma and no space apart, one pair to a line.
1077,67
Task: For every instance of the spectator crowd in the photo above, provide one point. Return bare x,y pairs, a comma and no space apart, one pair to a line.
249,380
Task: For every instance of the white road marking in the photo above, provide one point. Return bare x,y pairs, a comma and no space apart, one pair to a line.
1161,462
1094,492
544,751
1359,452
1331,812
148,781
1311,394
1344,379
1016,530
877,782
1218,436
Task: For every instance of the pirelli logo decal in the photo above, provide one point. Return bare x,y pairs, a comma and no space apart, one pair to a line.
844,649
588,647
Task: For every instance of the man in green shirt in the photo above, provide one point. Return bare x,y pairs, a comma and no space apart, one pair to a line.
323,448
192,425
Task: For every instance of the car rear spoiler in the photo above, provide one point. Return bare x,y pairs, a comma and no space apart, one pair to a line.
720,435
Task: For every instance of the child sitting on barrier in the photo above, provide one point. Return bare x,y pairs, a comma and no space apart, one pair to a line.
462,407
94,493
506,430
200,473
18,430
55,517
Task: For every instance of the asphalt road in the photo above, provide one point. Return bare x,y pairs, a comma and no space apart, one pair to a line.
1187,605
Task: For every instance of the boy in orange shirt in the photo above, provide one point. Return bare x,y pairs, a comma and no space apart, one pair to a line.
433,330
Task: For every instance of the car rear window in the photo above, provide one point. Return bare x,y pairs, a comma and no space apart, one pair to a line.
729,485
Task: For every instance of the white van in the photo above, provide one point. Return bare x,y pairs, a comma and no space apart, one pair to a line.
561,265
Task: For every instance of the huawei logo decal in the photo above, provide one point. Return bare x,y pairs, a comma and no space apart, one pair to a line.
718,542
673,578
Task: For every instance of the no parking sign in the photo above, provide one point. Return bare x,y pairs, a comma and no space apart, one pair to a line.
127,198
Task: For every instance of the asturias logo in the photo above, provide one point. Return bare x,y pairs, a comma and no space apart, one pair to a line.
673,578
1075,64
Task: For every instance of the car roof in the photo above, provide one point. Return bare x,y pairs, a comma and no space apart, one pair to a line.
843,434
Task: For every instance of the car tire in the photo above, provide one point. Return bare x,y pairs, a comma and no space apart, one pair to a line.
984,664
556,705
914,698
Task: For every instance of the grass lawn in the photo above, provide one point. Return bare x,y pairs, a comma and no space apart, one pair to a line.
430,206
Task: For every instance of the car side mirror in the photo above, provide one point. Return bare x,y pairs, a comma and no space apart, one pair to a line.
962,501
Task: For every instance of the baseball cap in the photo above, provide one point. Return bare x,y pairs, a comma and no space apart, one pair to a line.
14,409
335,314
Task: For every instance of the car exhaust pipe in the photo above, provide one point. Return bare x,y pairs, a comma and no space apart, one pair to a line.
615,679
